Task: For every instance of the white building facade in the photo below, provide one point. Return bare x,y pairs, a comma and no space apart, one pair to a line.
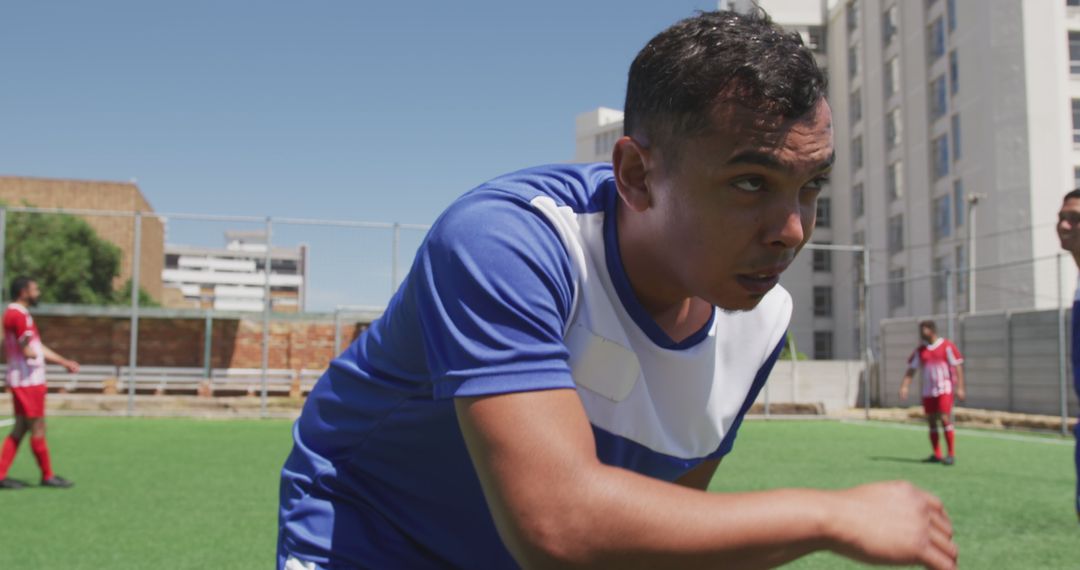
234,278
939,105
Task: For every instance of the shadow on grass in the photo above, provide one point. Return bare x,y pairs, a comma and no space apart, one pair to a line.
903,460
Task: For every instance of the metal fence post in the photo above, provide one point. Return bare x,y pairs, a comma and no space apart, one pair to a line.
868,354
337,331
267,301
793,351
1009,362
1062,367
133,341
208,339
3,248
950,306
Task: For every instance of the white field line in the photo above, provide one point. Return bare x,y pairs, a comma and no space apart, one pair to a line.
7,422
967,432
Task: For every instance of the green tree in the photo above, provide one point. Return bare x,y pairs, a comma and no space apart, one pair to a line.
785,353
67,258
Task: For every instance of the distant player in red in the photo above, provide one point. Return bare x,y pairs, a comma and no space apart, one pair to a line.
942,368
26,357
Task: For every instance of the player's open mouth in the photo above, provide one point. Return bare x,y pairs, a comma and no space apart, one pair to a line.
758,283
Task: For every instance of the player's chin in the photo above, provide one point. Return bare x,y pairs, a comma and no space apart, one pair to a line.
738,299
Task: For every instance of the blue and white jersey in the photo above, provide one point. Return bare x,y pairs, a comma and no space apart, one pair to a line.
519,286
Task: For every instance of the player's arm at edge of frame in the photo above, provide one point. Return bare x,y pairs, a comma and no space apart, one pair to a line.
556,506
906,383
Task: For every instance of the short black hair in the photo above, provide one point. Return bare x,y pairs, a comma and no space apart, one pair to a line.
678,77
18,285
1073,194
928,324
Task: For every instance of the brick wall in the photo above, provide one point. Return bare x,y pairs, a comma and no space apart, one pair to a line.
236,343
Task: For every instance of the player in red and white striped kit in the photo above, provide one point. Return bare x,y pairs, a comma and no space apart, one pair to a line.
26,357
942,368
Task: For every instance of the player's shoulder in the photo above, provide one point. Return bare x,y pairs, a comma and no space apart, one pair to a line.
15,311
580,187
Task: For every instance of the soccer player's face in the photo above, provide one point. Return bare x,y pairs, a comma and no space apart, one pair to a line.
1068,226
32,293
738,202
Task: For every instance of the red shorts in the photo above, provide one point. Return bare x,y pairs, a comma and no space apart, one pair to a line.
939,405
29,401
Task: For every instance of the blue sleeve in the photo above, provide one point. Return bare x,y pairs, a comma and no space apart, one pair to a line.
495,294
755,389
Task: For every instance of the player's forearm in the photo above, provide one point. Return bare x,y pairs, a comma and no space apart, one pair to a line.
608,517
52,356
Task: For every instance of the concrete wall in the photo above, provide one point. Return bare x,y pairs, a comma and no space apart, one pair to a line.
1012,360
832,383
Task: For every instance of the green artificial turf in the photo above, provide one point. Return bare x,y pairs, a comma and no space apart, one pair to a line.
1010,496
175,493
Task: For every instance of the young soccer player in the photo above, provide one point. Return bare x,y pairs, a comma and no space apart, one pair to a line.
1068,229
575,346
26,357
942,368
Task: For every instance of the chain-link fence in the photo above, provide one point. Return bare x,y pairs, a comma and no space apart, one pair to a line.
1011,321
200,305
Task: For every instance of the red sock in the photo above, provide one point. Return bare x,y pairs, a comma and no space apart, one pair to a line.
41,451
950,437
7,455
936,443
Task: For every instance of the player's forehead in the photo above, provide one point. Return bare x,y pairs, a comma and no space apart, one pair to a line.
792,145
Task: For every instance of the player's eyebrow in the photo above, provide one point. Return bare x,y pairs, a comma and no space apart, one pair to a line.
756,158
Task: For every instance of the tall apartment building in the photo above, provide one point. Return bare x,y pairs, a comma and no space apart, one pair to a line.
810,278
233,278
937,103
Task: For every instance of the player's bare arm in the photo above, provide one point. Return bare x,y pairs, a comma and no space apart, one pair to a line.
961,394
906,383
556,505
54,357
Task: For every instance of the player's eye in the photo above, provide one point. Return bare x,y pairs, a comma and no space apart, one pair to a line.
818,183
754,184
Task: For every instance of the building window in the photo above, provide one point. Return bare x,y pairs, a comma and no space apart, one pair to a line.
824,212
823,345
857,205
856,151
939,156
935,40
853,61
889,21
940,267
1072,2
1076,169
954,73
896,288
856,106
938,101
1076,120
958,202
891,77
1074,53
950,8
942,217
605,142
896,233
852,10
822,259
893,129
894,181
956,137
823,301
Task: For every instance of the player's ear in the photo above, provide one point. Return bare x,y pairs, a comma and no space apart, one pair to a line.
631,162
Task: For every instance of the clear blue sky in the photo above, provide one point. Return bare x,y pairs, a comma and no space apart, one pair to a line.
325,109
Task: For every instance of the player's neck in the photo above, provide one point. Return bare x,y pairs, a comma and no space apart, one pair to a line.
674,311
25,304
1076,257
